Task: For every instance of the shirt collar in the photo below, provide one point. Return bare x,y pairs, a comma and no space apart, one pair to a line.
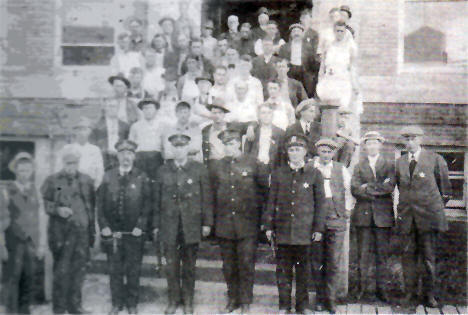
373,159
296,167
22,187
124,171
415,154
317,164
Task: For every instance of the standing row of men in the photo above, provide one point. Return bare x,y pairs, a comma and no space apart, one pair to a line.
303,205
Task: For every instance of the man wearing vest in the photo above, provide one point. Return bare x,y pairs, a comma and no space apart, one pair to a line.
123,204
24,239
69,200
338,205
424,186
294,218
372,185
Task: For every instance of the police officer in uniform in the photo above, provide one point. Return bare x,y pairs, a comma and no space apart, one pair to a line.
294,217
69,200
237,218
123,204
184,212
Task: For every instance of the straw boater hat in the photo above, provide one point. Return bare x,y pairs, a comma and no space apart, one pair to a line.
17,158
372,135
327,142
412,131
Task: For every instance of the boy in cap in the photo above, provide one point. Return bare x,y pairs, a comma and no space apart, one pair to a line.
424,186
69,199
135,27
372,185
294,218
127,110
91,162
24,235
183,214
338,204
124,204
237,218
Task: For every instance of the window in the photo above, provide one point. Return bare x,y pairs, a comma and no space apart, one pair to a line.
8,150
432,36
455,162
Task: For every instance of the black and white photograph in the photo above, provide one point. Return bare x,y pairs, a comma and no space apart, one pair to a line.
233,156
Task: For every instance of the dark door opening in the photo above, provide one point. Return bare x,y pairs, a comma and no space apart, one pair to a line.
285,12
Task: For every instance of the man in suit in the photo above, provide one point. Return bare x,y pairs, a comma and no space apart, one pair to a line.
69,199
107,132
265,148
310,35
263,66
127,110
294,217
232,35
372,185
124,201
204,64
184,212
306,125
424,186
346,152
290,88
237,218
302,57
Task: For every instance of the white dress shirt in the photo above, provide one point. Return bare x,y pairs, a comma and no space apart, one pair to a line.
415,155
372,162
112,133
264,144
147,134
296,53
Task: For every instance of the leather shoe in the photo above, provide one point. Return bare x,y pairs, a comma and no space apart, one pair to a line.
188,309
431,302
230,307
79,310
245,309
171,309
132,310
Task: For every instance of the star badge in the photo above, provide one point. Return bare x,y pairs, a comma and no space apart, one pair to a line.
422,175
306,185
189,181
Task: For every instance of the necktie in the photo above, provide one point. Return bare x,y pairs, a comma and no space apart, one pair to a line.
307,128
412,165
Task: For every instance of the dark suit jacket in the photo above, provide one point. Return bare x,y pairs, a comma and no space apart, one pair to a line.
136,207
310,61
182,195
264,71
313,137
311,37
100,138
252,147
207,66
295,206
374,202
423,196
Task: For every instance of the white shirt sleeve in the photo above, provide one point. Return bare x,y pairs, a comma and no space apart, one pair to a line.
349,199
99,168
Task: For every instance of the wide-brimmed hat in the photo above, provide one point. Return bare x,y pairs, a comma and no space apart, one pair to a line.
121,78
17,158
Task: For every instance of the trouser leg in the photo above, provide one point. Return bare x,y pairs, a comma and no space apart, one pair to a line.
78,268
316,256
172,254
301,263
62,264
15,264
334,247
410,262
230,268
246,250
426,247
284,275
363,236
116,275
133,257
189,259
382,241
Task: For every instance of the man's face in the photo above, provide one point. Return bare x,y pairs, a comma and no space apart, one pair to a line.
24,171
267,47
180,151
273,89
373,147
232,56
241,91
182,41
245,67
204,87
81,133
343,120
207,31
126,158
149,111
220,76
296,33
245,31
167,27
412,143
222,46
159,43
217,114
183,115
120,88
232,147
308,114
196,48
339,32
135,27
305,19
135,78
192,65
296,154
124,43
263,19
150,58
70,166
265,115
271,30
344,16
282,68
325,153
233,24
335,16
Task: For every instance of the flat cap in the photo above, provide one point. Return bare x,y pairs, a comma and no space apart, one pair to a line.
373,135
119,77
326,142
412,131
346,9
204,77
82,122
179,139
147,101
263,10
70,153
218,103
229,134
166,18
20,156
296,25
126,145
296,140
305,104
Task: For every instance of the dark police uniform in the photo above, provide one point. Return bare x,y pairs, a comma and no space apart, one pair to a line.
237,219
294,212
124,203
70,238
184,203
